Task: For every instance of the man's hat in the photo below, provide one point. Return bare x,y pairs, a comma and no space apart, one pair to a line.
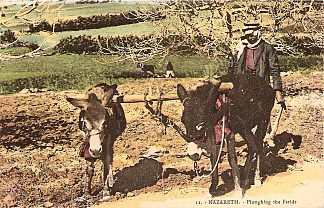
251,27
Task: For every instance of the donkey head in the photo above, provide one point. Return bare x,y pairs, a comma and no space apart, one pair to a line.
94,118
197,117
199,107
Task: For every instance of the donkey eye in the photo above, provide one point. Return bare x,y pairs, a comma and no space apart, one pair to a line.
182,119
87,125
200,126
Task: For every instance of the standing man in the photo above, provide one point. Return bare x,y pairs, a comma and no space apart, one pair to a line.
168,68
254,55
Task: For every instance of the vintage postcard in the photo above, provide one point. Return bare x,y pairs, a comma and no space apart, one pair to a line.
161,104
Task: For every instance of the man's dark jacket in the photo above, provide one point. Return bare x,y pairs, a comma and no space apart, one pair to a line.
267,64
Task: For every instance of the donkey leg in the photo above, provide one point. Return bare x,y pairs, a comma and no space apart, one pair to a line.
260,135
86,182
253,158
253,152
214,165
108,182
257,177
247,168
89,173
107,175
233,162
214,177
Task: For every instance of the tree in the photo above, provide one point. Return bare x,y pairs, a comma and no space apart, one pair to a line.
31,13
213,27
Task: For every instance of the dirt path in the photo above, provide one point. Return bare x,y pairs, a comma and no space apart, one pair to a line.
302,188
40,166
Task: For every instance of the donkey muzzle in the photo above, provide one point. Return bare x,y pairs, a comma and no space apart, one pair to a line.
95,152
95,148
194,151
194,157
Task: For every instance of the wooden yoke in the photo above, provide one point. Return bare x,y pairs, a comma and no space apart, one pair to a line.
142,98
164,97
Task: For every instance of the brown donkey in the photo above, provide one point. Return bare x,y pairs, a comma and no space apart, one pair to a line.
101,122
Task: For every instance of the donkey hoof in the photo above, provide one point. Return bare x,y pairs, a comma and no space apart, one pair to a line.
238,193
105,193
270,142
82,199
106,198
212,190
257,183
246,184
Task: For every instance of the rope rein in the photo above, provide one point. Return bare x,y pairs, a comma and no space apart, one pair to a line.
219,153
168,122
218,157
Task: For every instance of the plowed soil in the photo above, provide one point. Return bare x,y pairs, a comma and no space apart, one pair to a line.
39,145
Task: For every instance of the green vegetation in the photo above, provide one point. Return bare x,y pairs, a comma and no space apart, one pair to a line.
12,75
142,28
65,72
16,51
71,11
301,63
139,29
74,10
54,72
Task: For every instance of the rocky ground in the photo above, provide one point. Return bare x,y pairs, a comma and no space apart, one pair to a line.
39,144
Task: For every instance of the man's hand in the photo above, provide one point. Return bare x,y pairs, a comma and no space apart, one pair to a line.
280,99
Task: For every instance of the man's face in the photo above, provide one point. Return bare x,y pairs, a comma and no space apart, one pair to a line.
252,37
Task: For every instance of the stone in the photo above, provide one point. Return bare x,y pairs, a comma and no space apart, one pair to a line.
24,91
48,204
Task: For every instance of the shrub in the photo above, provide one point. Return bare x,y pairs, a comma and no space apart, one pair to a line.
305,45
93,22
7,37
295,63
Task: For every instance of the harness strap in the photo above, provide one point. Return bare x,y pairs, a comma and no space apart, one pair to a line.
94,134
84,152
196,168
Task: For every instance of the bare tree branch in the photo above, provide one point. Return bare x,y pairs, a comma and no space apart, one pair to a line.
27,14
213,28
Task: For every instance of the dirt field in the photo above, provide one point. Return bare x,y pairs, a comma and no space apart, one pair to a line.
40,166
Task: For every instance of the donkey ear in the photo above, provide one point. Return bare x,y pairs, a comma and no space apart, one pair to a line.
80,103
213,94
93,97
182,92
109,94
114,86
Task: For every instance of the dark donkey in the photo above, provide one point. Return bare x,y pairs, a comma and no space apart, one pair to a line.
101,122
249,105
147,69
